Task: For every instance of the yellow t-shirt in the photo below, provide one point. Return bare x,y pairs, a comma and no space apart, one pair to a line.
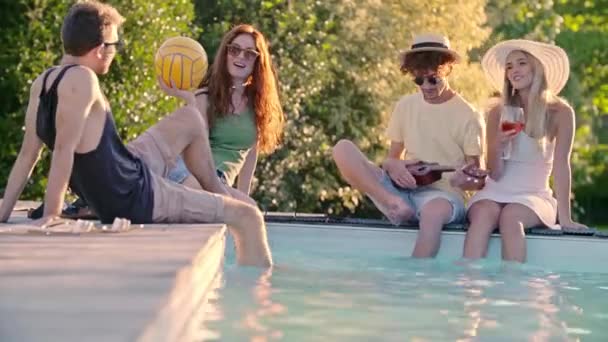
443,133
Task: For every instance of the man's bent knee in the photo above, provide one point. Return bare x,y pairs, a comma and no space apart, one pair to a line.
236,211
342,148
437,209
192,120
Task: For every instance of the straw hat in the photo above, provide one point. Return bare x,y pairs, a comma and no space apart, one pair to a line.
553,59
430,42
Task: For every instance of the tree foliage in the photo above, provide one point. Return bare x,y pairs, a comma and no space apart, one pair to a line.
338,67
340,78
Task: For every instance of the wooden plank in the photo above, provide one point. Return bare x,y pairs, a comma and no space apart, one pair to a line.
105,287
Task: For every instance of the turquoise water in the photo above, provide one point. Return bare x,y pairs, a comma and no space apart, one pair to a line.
342,285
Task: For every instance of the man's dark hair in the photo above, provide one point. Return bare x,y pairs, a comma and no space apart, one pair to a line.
85,24
436,61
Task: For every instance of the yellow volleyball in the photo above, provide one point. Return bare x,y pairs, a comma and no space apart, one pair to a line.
181,60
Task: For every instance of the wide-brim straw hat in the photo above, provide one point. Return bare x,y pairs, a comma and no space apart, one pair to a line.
430,42
553,59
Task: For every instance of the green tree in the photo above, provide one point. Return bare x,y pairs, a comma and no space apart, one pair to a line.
339,73
30,40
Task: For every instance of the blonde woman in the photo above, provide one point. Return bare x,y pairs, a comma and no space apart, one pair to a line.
529,137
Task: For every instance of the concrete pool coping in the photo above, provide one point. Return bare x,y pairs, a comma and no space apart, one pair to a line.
150,284
144,284
321,219
563,253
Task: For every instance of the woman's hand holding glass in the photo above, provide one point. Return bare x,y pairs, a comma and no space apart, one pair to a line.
511,123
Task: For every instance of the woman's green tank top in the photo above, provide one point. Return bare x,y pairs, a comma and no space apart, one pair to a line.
232,137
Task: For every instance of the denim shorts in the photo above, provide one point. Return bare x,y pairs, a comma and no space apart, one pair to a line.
180,172
418,197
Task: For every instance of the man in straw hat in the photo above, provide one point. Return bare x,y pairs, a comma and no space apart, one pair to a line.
530,75
434,124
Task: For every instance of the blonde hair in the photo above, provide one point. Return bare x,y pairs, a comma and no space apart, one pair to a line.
539,99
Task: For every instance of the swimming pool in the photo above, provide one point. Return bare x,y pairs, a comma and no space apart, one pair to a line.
345,284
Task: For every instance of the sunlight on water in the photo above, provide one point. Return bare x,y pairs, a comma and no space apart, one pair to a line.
339,294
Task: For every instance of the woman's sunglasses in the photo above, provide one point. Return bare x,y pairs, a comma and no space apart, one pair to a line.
235,51
433,80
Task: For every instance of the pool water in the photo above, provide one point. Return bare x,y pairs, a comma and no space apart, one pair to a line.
342,285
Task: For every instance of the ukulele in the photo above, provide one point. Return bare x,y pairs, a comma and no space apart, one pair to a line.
426,173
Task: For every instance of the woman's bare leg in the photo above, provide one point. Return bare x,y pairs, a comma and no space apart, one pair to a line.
514,218
483,217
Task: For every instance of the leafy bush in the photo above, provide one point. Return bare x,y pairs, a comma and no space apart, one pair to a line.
340,77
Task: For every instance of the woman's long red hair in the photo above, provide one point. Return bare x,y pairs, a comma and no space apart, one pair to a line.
261,90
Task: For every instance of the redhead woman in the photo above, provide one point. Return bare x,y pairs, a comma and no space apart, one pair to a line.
239,102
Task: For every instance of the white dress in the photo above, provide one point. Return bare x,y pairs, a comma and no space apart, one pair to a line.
525,179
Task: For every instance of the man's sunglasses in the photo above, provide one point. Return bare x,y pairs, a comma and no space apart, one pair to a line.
235,51
119,44
433,80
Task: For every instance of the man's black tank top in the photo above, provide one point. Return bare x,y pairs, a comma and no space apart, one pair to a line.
113,181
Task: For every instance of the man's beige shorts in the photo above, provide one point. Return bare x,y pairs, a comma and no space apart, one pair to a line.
173,203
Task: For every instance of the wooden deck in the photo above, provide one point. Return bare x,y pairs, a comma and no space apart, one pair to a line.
144,284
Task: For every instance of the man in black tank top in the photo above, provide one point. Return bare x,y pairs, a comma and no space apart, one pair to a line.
68,113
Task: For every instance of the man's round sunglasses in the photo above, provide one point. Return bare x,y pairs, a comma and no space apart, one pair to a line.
235,51
433,80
